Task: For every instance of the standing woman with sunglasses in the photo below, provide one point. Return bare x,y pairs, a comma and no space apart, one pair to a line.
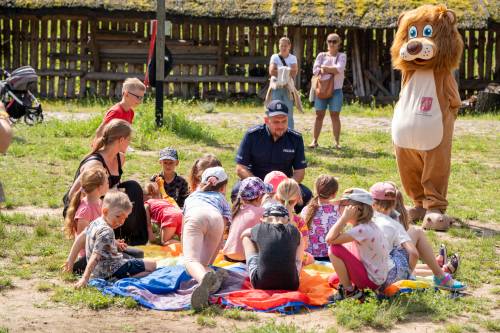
133,91
327,64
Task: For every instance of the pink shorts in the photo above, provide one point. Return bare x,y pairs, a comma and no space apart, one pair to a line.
355,268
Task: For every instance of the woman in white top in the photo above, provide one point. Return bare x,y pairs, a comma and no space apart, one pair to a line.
276,62
327,64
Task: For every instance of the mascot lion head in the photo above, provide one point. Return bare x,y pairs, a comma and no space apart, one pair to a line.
427,38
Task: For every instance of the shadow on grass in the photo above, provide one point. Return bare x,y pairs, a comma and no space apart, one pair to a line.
351,169
465,229
349,152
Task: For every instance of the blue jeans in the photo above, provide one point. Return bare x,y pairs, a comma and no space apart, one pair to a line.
282,95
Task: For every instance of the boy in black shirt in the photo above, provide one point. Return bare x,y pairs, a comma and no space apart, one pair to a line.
271,251
175,185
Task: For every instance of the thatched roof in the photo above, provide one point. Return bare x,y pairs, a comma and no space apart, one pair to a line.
224,9
339,13
372,13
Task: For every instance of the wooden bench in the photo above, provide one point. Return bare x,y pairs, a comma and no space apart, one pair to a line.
191,61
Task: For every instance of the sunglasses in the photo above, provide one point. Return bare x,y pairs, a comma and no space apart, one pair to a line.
136,96
333,41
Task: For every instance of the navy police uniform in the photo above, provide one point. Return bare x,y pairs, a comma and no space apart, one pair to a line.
261,154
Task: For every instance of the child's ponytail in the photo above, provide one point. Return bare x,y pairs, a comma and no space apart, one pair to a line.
236,207
325,187
288,192
400,208
311,210
90,180
69,222
202,163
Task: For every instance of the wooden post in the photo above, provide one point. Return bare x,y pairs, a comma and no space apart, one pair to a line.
480,54
73,40
252,44
7,35
489,55
176,70
357,58
84,32
43,56
232,51
160,61
496,76
298,51
64,51
53,48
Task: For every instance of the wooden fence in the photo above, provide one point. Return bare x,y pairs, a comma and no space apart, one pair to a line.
91,56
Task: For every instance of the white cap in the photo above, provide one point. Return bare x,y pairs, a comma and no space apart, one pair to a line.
359,195
217,172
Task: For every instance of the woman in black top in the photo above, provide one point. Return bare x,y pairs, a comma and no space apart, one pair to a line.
109,153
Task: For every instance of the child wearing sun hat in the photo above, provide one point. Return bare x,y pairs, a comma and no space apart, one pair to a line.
247,212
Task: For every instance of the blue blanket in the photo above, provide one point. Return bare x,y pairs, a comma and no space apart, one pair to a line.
167,288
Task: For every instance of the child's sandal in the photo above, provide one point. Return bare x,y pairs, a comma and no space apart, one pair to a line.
448,283
443,256
453,263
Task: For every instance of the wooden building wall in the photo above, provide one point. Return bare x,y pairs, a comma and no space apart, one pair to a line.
91,56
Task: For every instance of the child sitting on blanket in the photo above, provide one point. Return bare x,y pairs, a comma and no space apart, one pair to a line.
320,215
104,259
163,215
288,194
200,165
272,249
206,212
370,270
246,213
403,255
388,200
173,184
85,206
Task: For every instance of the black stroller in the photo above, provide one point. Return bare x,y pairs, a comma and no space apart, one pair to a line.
16,95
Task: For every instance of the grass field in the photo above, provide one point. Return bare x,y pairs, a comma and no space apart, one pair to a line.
42,160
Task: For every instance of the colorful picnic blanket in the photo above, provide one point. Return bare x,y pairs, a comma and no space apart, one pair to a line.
170,286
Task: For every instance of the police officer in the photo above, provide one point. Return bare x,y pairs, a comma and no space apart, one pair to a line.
273,147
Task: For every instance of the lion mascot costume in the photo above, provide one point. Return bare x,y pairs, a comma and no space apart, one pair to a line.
426,49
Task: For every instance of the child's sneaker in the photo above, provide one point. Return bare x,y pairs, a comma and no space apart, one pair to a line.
343,294
221,274
199,298
448,283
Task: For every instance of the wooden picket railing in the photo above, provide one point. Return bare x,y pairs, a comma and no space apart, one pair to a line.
91,56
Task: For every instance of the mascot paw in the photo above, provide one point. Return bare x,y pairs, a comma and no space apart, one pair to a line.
435,220
416,213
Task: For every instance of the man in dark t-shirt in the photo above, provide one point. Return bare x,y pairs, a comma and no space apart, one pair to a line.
271,251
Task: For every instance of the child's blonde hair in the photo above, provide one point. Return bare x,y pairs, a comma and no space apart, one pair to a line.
134,84
365,212
200,165
288,193
117,201
325,186
398,205
90,180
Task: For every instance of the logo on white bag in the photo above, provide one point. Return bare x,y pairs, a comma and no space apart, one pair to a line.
425,104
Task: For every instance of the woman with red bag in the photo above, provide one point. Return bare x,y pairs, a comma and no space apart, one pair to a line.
328,66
